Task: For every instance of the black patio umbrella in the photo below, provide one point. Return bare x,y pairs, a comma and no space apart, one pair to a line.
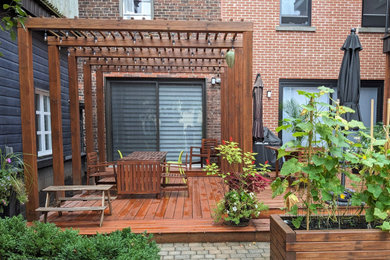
258,128
348,85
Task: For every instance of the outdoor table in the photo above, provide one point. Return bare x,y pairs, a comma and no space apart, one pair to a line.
145,156
140,173
101,188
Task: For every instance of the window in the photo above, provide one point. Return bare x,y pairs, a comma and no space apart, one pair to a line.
370,89
42,107
137,9
295,12
374,13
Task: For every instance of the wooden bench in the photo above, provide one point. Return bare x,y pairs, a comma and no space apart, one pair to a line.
58,208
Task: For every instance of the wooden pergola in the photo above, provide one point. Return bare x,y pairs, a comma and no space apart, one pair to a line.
128,46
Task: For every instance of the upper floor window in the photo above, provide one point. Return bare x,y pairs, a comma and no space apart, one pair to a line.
42,115
137,9
374,13
295,12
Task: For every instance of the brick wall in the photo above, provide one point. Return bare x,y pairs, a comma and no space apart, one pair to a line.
99,8
304,55
187,9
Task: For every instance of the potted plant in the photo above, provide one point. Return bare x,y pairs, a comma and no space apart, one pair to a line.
240,203
12,188
314,170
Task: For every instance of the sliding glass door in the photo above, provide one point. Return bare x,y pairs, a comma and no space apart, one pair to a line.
154,116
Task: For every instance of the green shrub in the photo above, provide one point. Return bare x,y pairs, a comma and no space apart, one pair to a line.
46,241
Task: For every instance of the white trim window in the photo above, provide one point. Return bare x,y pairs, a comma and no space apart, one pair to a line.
137,9
43,124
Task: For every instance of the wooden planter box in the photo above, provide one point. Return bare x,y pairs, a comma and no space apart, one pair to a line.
327,244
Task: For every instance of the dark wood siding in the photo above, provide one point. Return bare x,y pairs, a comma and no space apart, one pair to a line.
10,124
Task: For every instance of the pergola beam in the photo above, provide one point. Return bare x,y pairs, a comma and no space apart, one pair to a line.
137,25
170,63
152,53
141,43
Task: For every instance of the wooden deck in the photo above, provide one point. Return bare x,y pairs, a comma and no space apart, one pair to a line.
173,218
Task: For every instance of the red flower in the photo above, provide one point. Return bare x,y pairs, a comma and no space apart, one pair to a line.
231,139
207,161
253,162
266,162
223,142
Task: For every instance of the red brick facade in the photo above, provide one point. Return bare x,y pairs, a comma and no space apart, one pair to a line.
277,54
304,55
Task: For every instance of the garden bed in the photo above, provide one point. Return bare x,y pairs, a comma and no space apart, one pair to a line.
287,243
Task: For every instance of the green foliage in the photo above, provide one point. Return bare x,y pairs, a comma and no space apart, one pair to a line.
293,122
241,173
13,14
375,188
11,178
46,241
315,165
237,206
243,179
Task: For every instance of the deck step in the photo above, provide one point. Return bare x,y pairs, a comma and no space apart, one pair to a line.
45,209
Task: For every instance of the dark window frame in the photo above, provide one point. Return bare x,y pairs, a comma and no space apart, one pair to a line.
309,12
330,83
372,20
157,81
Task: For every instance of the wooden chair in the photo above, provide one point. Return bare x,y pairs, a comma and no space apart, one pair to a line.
174,177
139,177
102,172
205,152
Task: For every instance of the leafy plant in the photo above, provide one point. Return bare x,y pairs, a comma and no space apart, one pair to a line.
295,116
316,165
374,188
241,172
12,15
46,241
11,178
243,179
238,206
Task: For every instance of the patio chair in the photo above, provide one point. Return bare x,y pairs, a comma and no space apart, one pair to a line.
205,152
102,172
174,177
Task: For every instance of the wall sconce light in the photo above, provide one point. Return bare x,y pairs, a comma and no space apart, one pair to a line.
213,81
218,80
269,93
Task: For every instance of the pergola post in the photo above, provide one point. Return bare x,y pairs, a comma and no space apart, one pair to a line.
27,112
56,115
88,108
74,119
100,115
246,131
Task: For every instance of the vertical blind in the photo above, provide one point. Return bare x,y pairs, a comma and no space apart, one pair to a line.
133,116
156,116
180,113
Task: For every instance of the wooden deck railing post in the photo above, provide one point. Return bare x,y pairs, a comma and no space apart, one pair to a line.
74,119
27,114
56,115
